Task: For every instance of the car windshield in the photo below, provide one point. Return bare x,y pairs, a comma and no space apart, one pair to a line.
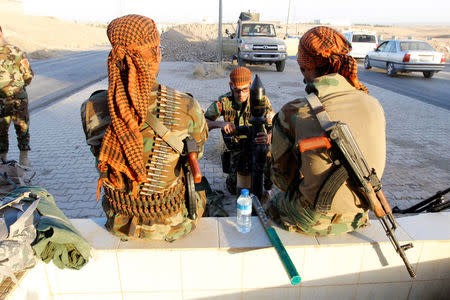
364,38
258,30
405,46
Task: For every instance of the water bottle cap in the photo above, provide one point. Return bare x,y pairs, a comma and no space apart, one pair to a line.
244,192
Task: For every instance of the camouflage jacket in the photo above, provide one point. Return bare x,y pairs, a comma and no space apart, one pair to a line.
228,108
163,192
188,118
306,172
15,72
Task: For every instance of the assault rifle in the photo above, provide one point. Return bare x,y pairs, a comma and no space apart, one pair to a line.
193,174
435,203
339,138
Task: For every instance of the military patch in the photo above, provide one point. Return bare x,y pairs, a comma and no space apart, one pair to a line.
218,107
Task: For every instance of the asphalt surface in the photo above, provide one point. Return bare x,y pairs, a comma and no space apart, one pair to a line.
435,90
59,77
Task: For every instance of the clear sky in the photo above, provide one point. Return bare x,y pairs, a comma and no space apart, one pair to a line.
354,11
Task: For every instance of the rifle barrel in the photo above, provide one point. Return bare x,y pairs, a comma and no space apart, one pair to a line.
397,246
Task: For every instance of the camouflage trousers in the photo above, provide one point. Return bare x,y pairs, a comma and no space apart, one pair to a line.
15,110
292,214
231,180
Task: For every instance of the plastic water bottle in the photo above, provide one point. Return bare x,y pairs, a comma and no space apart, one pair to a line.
244,212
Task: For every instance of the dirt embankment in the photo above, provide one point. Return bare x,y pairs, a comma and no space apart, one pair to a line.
43,37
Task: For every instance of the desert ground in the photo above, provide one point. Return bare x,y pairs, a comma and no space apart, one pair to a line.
44,37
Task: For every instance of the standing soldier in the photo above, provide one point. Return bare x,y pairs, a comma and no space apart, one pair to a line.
306,177
139,131
15,75
234,107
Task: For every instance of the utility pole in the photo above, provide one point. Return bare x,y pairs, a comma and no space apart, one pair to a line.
219,36
287,20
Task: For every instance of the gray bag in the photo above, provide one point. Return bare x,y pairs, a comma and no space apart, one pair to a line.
18,221
12,175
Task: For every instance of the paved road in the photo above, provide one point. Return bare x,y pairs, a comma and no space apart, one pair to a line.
434,90
59,77
417,140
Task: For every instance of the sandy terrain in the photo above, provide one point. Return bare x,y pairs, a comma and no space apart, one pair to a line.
43,37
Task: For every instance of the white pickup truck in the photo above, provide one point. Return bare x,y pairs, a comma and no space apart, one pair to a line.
256,42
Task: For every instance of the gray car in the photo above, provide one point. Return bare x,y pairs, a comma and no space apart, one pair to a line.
406,56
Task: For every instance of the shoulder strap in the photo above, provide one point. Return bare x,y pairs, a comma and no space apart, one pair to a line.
173,138
318,110
170,137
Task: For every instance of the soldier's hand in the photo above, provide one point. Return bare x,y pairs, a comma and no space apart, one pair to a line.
263,138
229,127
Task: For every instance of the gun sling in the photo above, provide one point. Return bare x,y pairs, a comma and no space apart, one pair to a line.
171,138
339,175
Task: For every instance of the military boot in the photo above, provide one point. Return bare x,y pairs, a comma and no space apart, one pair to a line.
23,159
231,184
3,156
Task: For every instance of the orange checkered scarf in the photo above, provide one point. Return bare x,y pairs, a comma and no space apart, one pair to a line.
240,76
322,46
132,69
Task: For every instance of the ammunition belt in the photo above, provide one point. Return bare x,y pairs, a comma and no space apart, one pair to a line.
157,159
150,207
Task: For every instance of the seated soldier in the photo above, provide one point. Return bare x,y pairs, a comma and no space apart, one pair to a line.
141,167
331,74
234,107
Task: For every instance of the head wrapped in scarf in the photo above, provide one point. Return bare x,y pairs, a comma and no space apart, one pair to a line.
323,46
133,64
241,76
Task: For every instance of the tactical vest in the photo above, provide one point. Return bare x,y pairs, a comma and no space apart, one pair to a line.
230,113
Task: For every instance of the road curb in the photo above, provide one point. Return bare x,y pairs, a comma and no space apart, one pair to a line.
55,97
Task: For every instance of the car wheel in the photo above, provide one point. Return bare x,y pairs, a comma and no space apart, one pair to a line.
367,65
280,65
428,74
390,69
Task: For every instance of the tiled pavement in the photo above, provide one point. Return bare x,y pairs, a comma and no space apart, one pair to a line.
418,160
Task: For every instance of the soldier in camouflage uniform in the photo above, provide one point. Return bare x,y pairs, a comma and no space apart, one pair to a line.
331,74
15,75
234,107
141,171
